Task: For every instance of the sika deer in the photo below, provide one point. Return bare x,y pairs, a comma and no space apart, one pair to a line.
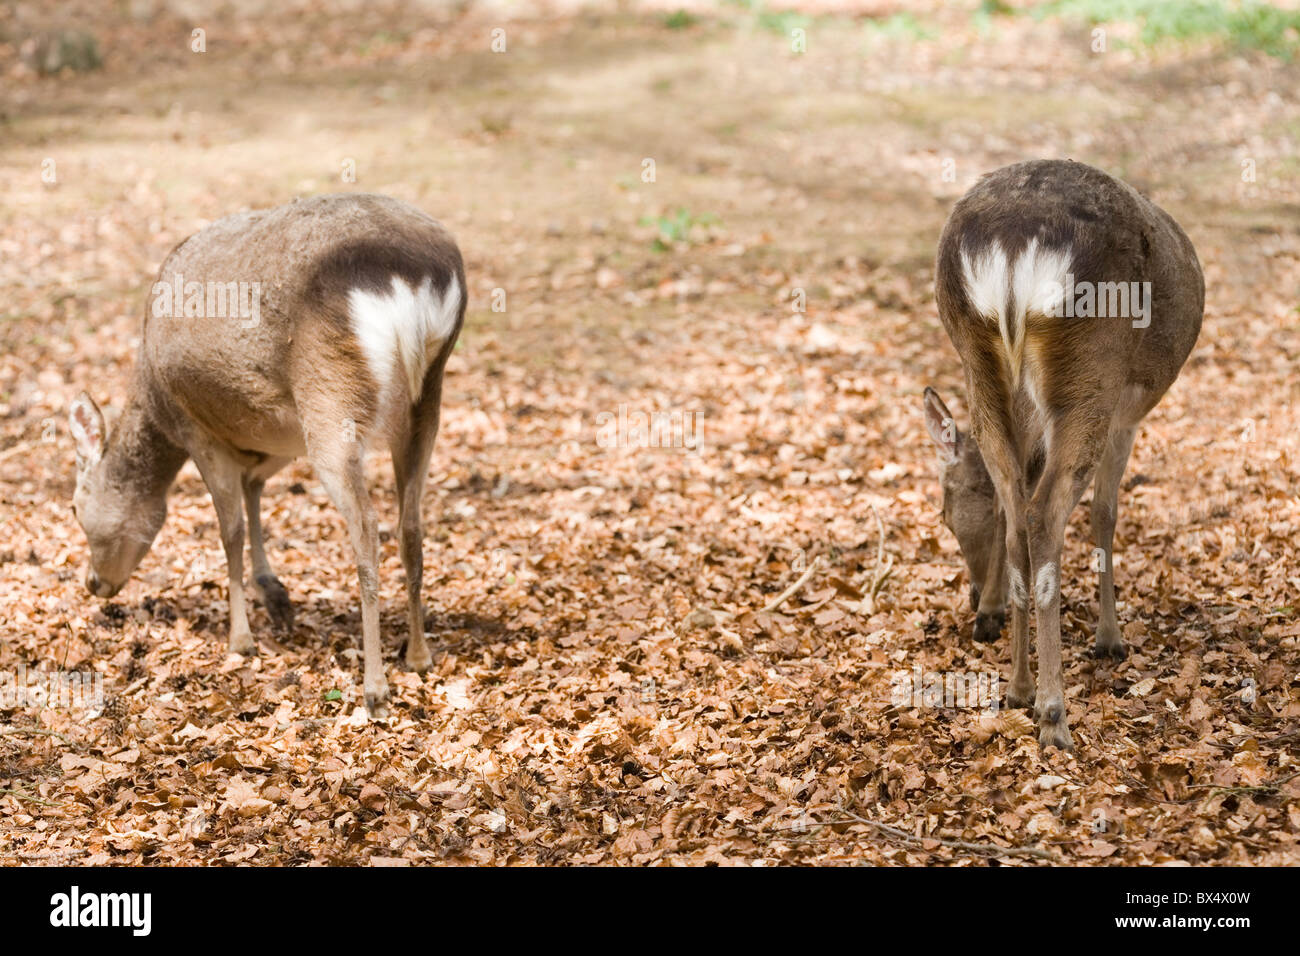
320,328
1073,302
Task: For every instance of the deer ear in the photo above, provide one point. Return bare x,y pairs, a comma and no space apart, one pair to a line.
87,424
942,428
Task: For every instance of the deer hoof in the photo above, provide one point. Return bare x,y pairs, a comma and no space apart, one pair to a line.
988,627
242,644
377,701
418,655
1053,729
1109,645
277,602
1020,696
1055,735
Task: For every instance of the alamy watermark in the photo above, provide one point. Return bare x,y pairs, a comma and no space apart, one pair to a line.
179,299
62,690
1087,300
129,910
637,429
973,690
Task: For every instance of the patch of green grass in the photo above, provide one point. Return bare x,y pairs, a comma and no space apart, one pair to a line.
677,227
901,26
380,39
1245,24
680,20
782,21
776,21
983,16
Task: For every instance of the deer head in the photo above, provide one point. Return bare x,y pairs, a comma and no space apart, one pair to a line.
970,512
117,502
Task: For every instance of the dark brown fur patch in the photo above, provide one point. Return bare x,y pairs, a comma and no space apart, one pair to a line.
412,250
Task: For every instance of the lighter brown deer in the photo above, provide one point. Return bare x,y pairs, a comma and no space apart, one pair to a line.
319,328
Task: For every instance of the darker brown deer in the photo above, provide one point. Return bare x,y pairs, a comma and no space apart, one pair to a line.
320,328
1073,302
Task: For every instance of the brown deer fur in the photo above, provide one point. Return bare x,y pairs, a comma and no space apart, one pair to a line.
1055,400
360,300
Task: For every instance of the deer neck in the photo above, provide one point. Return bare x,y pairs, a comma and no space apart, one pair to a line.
139,451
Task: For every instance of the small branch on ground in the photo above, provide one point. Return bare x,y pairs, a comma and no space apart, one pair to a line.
984,849
883,567
19,448
1269,786
23,795
39,731
780,599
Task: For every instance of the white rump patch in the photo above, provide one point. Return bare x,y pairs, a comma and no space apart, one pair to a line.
1039,280
402,331
1045,584
1006,293
985,275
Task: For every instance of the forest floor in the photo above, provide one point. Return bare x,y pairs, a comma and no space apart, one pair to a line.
607,686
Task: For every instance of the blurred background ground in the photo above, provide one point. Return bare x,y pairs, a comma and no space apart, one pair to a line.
605,688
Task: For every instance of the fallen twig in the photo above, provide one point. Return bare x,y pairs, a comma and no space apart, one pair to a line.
780,599
1268,786
1292,735
986,849
22,795
883,568
52,855
20,447
41,731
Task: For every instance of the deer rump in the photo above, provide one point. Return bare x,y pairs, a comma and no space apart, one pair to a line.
360,299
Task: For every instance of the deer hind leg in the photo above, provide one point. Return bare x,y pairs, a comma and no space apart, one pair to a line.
1021,691
1008,474
222,476
338,458
265,584
1105,510
410,467
1071,461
